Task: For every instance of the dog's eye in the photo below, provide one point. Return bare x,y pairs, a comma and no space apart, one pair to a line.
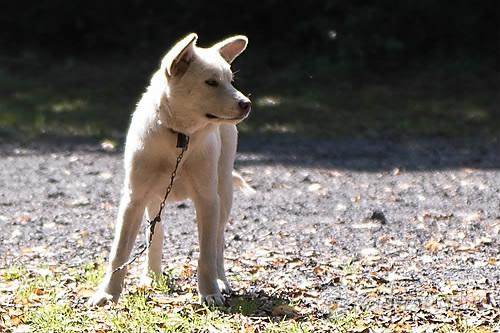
212,83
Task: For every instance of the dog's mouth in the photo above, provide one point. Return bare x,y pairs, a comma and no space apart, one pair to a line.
214,117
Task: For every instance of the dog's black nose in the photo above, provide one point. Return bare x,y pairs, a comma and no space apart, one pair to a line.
245,105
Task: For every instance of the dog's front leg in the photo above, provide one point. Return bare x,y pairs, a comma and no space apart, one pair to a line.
207,218
152,268
128,222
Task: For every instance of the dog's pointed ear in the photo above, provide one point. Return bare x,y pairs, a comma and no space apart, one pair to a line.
232,47
178,59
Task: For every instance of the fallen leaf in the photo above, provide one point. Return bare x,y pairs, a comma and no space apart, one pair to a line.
36,249
16,319
85,292
37,291
22,300
294,263
331,241
476,297
255,269
368,291
432,246
318,270
24,218
165,300
107,206
284,310
384,290
359,330
278,262
187,272
431,290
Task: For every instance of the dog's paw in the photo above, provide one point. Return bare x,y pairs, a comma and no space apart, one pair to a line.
101,298
212,299
225,287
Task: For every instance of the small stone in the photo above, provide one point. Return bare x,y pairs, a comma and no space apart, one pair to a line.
378,215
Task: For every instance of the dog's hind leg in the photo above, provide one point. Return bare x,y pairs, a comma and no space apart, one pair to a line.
207,218
226,201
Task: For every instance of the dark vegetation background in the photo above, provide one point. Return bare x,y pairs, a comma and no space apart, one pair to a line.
384,34
316,68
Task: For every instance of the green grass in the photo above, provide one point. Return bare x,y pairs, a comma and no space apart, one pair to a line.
333,104
54,301
50,299
69,98
349,319
349,267
90,273
13,273
243,305
82,98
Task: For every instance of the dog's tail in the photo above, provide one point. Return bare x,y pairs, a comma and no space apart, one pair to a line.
238,181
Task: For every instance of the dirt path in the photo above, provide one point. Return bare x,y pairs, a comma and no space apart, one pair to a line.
412,226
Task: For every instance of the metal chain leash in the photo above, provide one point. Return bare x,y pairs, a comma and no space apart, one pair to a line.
182,142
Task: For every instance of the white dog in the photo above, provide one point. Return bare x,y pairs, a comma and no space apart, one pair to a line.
191,94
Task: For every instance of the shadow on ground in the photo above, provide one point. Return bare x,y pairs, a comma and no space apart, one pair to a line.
371,155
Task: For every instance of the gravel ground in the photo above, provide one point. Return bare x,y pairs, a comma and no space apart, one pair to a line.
337,221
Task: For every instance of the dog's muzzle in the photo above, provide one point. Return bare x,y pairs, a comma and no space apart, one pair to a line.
245,106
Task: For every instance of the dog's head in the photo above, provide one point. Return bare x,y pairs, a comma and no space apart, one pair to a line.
199,83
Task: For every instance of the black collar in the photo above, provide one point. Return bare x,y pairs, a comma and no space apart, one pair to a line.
181,139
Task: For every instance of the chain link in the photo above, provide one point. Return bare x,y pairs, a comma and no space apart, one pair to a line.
152,224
